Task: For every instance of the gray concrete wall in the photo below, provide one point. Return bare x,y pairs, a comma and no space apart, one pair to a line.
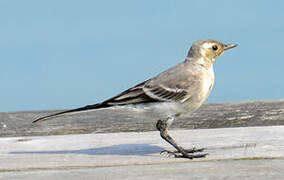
215,115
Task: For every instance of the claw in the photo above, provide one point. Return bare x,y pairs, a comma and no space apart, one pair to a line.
193,150
178,154
189,156
168,153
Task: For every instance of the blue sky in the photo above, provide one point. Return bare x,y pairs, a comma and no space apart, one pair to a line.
66,54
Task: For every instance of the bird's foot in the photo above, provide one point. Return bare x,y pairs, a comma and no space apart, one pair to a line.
190,156
188,153
192,150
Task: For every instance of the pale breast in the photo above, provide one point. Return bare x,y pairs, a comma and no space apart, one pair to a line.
207,83
201,91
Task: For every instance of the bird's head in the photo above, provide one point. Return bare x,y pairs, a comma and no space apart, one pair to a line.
208,49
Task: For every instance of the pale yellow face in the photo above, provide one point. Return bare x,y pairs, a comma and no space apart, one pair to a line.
211,50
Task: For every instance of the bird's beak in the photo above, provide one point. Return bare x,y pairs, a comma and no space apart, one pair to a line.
229,46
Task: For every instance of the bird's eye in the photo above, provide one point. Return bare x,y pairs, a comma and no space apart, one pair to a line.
214,47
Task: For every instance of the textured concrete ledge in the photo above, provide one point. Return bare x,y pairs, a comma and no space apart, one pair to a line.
234,153
215,115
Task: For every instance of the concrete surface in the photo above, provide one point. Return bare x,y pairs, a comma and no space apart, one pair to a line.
215,115
234,153
226,170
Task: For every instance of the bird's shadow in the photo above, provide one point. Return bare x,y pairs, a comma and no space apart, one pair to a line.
122,149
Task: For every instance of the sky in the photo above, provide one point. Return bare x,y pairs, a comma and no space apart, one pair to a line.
67,54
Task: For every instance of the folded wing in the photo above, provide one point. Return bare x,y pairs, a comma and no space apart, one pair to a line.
141,93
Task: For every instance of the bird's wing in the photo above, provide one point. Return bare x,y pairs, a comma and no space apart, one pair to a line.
171,86
174,85
163,93
141,93
145,93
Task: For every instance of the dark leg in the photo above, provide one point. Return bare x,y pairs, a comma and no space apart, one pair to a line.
162,126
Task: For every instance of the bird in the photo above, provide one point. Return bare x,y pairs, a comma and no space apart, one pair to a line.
173,93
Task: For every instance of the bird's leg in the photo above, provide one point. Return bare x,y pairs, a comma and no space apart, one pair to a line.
162,126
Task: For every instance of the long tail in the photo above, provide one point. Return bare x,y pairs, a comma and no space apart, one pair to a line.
133,95
68,112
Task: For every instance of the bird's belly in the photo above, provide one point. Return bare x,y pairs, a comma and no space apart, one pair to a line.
159,109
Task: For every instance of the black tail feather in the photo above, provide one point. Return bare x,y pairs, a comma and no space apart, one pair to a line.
133,95
85,108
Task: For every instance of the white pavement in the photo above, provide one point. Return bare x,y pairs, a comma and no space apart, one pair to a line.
234,153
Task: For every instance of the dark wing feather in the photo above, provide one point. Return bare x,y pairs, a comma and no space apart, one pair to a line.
166,94
141,93
133,95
